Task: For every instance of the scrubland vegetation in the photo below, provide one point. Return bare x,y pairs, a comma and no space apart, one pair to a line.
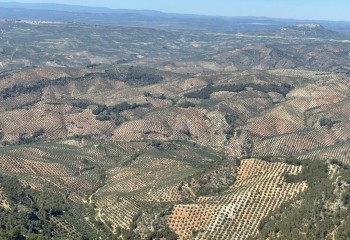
139,133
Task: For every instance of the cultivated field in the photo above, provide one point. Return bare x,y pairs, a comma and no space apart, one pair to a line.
260,188
133,133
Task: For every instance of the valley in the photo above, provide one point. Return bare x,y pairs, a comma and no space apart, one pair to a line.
119,132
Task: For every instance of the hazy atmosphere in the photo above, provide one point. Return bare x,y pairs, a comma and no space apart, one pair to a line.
168,120
296,9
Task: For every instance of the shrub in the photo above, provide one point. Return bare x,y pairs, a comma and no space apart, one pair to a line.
147,94
138,76
205,92
99,109
186,104
162,97
103,117
81,104
326,122
33,138
38,133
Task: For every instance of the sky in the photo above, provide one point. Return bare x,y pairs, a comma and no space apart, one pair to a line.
295,9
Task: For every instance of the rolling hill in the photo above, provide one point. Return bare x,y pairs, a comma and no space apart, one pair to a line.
139,133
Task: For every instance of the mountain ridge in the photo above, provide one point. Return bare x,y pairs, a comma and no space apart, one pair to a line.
153,19
173,127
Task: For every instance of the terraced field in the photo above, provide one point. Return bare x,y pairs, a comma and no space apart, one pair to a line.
236,213
204,136
73,171
149,178
338,152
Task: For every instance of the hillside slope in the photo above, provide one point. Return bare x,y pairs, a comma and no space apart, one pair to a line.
134,133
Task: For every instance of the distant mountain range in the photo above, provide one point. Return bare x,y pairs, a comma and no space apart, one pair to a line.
151,19
74,8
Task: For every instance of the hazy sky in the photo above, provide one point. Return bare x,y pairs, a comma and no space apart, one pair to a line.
299,9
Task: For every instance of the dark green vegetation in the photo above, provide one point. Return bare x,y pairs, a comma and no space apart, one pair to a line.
106,113
134,76
81,104
327,122
33,138
117,108
161,228
321,212
213,180
106,132
231,119
17,90
51,213
137,76
164,233
32,211
186,104
205,92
